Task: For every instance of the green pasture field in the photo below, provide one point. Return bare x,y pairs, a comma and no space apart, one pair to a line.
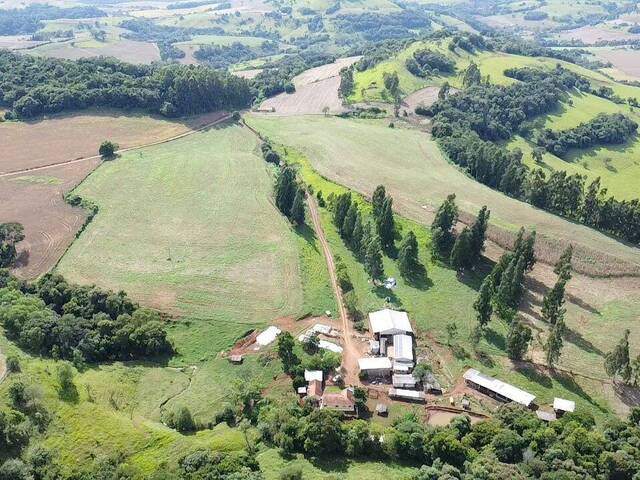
429,302
223,40
188,227
360,154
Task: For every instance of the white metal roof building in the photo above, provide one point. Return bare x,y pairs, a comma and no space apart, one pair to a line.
404,381
403,348
560,404
268,336
310,375
389,322
407,394
374,363
497,388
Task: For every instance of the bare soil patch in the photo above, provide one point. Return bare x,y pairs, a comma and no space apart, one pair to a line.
50,224
131,51
248,74
591,34
66,137
316,89
625,60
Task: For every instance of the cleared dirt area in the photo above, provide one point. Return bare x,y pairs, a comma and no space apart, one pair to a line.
67,137
592,34
17,42
131,51
625,60
50,224
316,89
248,74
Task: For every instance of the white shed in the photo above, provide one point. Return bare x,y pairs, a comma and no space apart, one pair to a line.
389,322
497,388
560,405
310,375
404,381
375,366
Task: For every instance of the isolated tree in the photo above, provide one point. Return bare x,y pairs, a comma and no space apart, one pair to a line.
108,149
65,378
538,153
478,234
408,255
563,266
421,371
392,84
358,232
483,305
471,76
285,190
373,258
554,343
443,223
297,209
340,210
385,224
452,332
10,234
311,345
518,340
349,223
285,351
617,361
377,200
553,301
461,252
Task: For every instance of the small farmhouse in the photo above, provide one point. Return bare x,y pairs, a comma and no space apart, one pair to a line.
562,406
342,401
389,322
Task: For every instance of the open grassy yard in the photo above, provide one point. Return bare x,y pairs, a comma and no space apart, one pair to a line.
188,227
361,154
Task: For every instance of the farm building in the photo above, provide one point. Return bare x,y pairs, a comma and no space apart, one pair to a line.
310,375
497,389
399,367
403,349
404,381
237,359
562,406
268,336
314,389
382,409
412,395
375,366
342,401
431,384
389,322
546,416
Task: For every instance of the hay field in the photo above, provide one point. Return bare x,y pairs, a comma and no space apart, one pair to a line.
362,154
190,229
131,51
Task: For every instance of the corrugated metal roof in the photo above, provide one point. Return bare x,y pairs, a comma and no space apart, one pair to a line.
412,394
564,405
390,321
374,363
403,348
403,379
504,389
310,375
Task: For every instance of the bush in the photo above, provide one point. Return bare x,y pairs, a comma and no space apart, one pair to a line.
292,472
289,88
180,419
13,364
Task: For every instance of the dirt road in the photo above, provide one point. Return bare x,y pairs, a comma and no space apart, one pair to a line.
349,351
3,367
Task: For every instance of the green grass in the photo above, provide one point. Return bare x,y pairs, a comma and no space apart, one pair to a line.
272,464
223,40
444,298
362,154
188,227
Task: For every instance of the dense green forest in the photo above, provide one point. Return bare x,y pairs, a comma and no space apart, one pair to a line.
467,125
29,19
32,86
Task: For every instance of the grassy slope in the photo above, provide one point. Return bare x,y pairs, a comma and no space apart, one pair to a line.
362,154
197,184
190,230
618,167
429,304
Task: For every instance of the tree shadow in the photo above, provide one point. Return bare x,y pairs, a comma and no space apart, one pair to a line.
534,373
419,279
485,359
330,464
388,295
459,351
628,394
495,338
568,382
582,343
470,278
22,260
308,234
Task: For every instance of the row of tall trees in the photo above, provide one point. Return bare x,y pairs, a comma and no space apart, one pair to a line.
468,123
290,195
464,250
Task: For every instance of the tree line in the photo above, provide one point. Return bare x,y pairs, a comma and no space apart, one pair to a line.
58,319
604,129
11,234
426,62
33,86
29,19
466,124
